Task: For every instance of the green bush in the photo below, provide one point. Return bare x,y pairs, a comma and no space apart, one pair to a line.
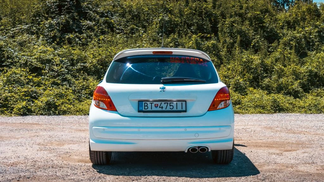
53,53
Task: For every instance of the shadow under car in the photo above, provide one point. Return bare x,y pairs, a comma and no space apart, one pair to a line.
177,164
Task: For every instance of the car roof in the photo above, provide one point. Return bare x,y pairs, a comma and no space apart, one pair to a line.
149,51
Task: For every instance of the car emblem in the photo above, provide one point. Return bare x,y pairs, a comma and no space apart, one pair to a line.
162,89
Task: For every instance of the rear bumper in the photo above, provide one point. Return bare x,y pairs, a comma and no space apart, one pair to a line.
110,131
159,145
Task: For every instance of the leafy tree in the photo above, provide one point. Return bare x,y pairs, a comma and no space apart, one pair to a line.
54,52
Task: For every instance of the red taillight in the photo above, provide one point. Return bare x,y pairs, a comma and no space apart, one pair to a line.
221,100
102,100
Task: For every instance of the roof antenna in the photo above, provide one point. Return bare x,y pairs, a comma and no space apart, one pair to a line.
162,33
163,24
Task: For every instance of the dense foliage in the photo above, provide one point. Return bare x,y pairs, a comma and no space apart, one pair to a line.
53,53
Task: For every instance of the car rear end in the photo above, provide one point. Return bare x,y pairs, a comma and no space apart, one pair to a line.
161,100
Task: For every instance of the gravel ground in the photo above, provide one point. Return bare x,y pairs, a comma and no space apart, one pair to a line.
279,147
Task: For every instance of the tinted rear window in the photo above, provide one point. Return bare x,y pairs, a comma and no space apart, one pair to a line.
151,69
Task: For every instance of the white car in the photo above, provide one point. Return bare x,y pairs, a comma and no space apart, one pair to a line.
161,99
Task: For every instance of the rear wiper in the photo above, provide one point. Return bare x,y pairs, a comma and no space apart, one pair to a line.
180,79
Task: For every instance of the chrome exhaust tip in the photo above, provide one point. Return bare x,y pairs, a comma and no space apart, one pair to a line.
203,149
193,150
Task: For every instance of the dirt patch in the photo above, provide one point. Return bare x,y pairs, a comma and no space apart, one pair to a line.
76,159
268,148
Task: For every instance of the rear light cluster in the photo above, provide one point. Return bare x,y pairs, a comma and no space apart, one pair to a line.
102,100
221,100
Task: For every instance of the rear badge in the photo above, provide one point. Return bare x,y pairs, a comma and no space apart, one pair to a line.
162,89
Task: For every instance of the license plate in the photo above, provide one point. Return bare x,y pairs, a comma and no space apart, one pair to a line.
162,106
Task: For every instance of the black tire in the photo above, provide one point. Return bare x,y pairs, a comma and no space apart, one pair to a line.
223,156
99,157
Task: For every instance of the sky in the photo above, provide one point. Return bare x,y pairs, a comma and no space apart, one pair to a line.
318,1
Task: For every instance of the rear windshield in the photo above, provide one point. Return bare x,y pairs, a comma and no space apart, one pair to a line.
152,69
